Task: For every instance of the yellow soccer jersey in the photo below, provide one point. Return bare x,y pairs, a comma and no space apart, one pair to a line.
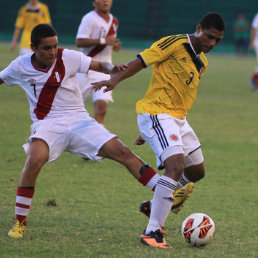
29,18
175,76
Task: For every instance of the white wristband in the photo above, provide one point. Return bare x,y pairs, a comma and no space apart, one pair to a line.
102,41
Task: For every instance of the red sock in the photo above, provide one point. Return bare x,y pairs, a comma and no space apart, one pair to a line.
149,177
24,197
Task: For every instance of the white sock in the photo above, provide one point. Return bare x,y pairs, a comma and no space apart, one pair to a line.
182,180
161,203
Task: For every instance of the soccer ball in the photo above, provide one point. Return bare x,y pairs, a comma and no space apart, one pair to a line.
198,229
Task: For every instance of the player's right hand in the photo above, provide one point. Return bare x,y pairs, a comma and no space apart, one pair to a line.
111,40
117,46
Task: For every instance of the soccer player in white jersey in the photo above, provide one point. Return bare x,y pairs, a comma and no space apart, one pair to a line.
96,37
60,121
254,46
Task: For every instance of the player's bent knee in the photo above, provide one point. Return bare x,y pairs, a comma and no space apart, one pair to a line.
175,163
116,150
34,164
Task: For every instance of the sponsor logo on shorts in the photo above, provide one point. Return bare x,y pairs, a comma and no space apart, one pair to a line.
173,137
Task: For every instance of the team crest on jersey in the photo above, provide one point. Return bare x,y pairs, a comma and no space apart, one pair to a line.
173,137
57,76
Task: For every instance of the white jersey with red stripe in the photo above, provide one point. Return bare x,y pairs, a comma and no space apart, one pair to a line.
53,92
94,26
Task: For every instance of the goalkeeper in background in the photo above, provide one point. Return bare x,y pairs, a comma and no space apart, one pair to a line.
29,16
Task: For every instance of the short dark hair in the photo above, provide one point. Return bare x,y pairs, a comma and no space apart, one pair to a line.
212,20
41,31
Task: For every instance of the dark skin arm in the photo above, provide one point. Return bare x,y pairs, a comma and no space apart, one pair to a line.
1,81
133,67
105,67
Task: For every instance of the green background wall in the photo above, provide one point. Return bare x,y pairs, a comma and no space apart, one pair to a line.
141,21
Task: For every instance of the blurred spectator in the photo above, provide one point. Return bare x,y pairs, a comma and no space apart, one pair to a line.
29,15
241,34
254,46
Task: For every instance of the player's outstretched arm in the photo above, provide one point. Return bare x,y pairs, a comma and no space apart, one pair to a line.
133,67
105,67
1,81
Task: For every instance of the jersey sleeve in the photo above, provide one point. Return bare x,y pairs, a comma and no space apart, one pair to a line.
159,51
20,20
85,63
85,27
10,74
76,61
205,62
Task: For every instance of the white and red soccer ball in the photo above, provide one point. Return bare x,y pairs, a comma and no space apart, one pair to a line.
198,229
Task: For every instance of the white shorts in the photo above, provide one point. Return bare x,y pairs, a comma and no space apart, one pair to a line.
168,136
25,51
80,135
85,82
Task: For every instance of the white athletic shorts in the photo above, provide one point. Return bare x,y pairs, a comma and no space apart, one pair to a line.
85,82
168,136
80,135
25,51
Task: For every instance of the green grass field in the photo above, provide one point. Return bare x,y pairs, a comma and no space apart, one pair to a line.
97,203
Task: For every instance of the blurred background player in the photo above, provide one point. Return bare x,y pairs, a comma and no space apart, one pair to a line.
30,15
96,37
254,46
241,34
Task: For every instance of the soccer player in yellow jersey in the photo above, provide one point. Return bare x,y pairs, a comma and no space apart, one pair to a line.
178,63
30,15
